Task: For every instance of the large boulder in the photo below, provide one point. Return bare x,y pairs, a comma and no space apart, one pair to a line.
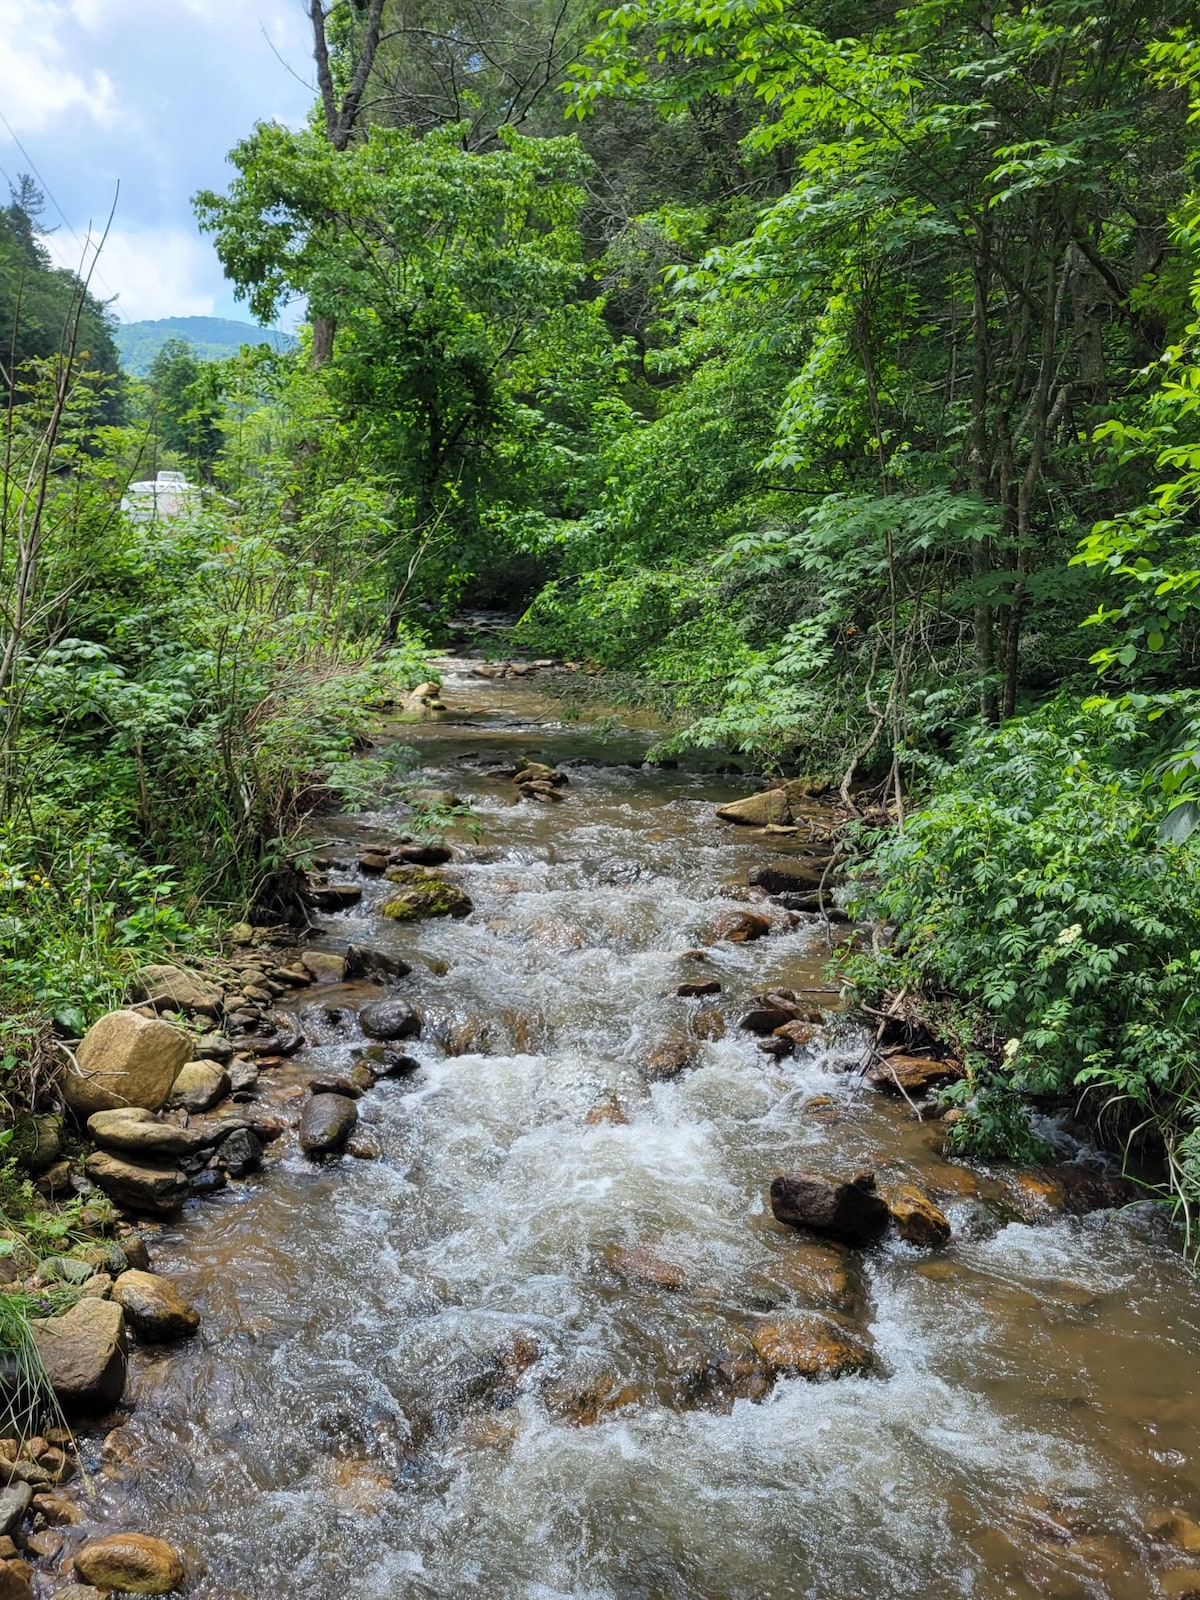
130,1563
326,1122
200,1085
850,1210
170,988
424,894
137,1132
137,1185
125,1060
389,1019
84,1353
780,806
153,1306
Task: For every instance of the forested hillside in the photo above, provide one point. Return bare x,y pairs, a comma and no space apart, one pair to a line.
209,339
828,378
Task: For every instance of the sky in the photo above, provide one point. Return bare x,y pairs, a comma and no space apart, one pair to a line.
150,94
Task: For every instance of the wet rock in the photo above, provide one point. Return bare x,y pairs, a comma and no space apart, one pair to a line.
133,1131
389,1063
240,1153
789,877
335,896
14,1582
701,986
810,1344
200,1085
389,1019
781,805
424,855
424,894
84,1353
135,1251
581,1405
644,1269
36,1144
79,1591
609,1110
799,1033
539,772
546,793
207,1181
363,962
776,1044
374,862
741,927
326,1122
669,1058
323,966
153,1307
708,1023
764,1020
850,1211
58,1513
14,1503
243,1079
1174,1527
176,989
823,1275
353,1083
130,1563
125,1060
136,1185
918,1221
912,1075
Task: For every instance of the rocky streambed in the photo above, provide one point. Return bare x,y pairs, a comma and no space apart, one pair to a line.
535,1231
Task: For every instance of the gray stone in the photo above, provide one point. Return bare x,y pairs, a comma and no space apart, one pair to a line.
136,1185
240,1153
389,1019
326,1122
14,1503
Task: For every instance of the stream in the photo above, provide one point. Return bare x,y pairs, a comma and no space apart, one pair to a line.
482,1363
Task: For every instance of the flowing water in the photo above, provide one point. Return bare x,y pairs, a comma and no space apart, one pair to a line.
433,1373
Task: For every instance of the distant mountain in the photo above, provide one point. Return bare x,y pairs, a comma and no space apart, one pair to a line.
211,338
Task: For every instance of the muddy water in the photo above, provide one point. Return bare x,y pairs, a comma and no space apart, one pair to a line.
423,1376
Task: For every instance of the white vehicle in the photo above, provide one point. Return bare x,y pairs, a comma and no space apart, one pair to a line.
167,495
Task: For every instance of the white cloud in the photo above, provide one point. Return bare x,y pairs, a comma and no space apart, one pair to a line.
153,272
36,84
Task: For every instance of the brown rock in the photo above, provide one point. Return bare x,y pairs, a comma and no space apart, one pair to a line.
609,1110
334,896
779,806
125,1060
669,1058
424,855
84,1353
130,1563
800,1033
323,966
708,1023
1174,1527
765,1020
810,1344
59,1513
847,1210
153,1307
740,927
376,862
644,1269
822,1275
134,1131
200,1085
14,1584
690,991
170,988
136,1185
789,876
918,1221
914,1075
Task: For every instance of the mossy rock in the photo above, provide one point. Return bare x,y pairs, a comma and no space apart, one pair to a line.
424,894
36,1143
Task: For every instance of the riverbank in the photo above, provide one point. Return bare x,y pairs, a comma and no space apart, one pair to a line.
551,1283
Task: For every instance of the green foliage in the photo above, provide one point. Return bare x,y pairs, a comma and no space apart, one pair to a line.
207,338
1034,883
